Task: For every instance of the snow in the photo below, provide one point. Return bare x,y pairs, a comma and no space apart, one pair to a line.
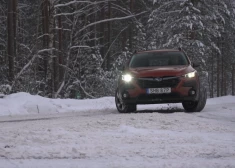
24,103
58,133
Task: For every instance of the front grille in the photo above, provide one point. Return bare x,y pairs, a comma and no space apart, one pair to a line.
152,83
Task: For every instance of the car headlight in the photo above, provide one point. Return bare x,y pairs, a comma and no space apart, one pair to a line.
190,75
127,77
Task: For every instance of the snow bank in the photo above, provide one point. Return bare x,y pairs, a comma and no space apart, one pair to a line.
221,100
24,103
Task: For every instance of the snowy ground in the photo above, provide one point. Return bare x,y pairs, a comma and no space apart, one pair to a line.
40,132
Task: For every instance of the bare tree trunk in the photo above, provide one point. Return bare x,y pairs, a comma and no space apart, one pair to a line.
233,80
222,67
11,47
52,58
61,59
131,26
102,31
225,81
92,29
222,77
15,24
212,78
218,76
45,25
109,37
46,40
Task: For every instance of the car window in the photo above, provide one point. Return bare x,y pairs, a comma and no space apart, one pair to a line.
158,59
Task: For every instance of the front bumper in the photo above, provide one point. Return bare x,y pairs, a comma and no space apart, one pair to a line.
158,99
132,93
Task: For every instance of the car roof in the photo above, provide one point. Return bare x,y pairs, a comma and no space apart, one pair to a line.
162,50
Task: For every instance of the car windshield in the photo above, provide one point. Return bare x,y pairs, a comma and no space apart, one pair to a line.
150,59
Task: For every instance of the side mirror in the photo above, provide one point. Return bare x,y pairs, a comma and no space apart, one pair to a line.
195,64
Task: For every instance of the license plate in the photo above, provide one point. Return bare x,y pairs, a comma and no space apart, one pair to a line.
158,90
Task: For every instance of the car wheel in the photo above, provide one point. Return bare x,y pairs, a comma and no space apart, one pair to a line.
121,106
196,106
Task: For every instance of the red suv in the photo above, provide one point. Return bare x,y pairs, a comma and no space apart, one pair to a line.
160,76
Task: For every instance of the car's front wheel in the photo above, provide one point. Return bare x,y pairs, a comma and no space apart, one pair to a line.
121,106
196,106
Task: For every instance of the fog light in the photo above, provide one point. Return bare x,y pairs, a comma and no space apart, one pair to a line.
125,95
192,92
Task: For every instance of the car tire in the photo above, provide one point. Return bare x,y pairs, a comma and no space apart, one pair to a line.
196,106
121,106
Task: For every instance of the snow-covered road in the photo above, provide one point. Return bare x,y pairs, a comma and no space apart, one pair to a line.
156,136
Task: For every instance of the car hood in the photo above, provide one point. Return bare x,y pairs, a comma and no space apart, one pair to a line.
160,71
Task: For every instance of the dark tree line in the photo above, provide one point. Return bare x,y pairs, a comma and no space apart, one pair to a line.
71,48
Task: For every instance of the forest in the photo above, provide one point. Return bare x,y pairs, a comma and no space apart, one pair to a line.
72,48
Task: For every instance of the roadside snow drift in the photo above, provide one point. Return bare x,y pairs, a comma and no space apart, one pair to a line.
24,103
